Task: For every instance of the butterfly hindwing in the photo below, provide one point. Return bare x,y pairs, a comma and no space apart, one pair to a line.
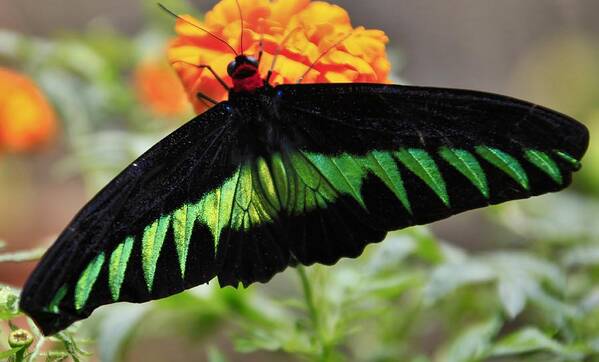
290,213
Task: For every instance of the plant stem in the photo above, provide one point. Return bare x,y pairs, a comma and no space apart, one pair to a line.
325,348
23,255
308,295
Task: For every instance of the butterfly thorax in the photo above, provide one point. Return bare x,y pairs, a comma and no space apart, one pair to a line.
258,126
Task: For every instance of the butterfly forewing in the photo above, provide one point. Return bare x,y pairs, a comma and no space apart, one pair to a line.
428,153
296,174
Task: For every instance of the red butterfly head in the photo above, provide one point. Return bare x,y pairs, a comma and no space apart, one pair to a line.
244,72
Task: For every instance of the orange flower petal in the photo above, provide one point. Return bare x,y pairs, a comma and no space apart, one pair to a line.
350,61
322,13
315,28
334,77
283,10
158,87
366,44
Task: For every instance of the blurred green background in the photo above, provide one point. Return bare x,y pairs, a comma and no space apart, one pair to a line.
516,282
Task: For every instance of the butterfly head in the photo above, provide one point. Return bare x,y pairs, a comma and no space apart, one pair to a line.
244,72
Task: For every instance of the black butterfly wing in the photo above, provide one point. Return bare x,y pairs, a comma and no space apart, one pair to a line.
305,174
138,239
388,157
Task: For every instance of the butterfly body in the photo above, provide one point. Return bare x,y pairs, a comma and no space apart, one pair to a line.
276,176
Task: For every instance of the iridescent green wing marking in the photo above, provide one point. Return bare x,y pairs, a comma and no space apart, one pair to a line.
467,164
86,281
505,163
118,266
419,162
441,181
545,163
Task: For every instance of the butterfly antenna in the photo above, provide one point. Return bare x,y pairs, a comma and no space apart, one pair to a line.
323,54
197,27
201,67
278,51
241,19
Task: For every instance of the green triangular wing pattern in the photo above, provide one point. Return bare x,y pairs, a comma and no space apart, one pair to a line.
118,266
86,281
183,222
467,165
292,185
505,163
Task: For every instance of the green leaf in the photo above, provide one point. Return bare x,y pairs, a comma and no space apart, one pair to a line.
8,303
557,311
448,277
519,263
512,296
529,340
392,286
582,256
473,344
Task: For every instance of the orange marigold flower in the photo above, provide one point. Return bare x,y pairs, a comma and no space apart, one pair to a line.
26,118
157,87
311,28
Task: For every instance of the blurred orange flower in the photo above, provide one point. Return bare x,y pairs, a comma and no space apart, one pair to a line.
311,28
26,118
158,87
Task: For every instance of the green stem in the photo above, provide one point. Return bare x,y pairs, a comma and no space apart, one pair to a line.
325,348
308,295
20,355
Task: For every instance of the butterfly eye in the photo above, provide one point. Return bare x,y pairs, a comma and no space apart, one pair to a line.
231,68
252,61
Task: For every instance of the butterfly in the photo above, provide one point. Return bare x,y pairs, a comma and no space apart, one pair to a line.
277,176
